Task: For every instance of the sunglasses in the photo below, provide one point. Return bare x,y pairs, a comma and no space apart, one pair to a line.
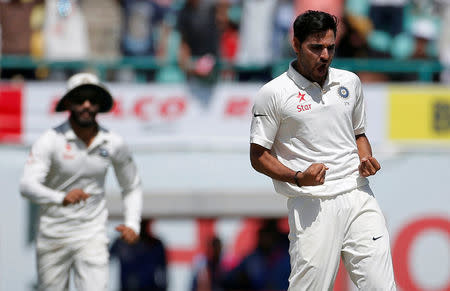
78,100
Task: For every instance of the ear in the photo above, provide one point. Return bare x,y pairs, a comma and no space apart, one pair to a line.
296,45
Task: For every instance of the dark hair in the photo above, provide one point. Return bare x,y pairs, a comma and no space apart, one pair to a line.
311,22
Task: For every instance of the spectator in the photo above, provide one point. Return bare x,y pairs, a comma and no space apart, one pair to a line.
421,41
17,33
444,41
284,16
387,17
267,267
229,38
354,37
65,35
103,32
143,265
209,269
199,35
424,32
353,44
255,39
229,32
199,48
335,7
145,30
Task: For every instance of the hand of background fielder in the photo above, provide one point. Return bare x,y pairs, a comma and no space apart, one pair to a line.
128,234
313,175
368,166
75,196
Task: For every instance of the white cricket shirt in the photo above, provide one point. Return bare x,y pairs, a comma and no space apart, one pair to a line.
59,162
303,123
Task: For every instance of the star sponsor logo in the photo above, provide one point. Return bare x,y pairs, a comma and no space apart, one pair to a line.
305,107
68,154
301,97
103,152
302,107
376,237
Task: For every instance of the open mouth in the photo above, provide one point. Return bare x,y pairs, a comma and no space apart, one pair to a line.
322,69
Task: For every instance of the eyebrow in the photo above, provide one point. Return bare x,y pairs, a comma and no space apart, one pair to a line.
318,45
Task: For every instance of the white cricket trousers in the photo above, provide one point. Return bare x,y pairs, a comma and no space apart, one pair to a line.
87,262
348,226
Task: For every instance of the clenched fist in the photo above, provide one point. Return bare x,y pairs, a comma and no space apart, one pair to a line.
368,166
314,175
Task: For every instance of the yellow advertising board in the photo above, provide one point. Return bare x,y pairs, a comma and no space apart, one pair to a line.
419,113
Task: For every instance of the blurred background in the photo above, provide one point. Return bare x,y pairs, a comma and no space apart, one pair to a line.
184,74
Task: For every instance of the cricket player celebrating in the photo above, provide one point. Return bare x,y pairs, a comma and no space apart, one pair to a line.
65,175
308,135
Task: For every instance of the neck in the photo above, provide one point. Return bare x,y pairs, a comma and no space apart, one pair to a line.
86,134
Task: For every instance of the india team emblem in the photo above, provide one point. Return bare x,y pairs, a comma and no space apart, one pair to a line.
343,92
103,152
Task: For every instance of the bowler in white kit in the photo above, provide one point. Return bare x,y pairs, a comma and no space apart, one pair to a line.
65,175
308,135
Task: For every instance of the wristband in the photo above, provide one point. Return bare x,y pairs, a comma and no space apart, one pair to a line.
296,179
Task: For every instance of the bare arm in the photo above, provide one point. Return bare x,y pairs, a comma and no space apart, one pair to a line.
368,165
162,47
184,57
364,148
263,162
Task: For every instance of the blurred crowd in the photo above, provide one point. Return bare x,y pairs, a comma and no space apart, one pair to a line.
206,40
265,266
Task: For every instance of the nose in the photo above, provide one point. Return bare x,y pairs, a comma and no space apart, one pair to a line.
86,103
325,54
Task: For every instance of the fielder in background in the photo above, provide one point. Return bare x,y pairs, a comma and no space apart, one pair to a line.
65,175
308,135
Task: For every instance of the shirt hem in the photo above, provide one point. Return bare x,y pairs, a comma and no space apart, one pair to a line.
261,142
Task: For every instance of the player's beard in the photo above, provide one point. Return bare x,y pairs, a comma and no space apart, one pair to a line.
84,118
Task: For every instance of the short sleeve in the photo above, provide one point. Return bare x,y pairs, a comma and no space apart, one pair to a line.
359,112
265,119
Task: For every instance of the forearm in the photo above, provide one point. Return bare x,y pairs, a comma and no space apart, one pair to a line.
363,144
368,164
184,57
40,194
263,162
162,46
130,184
132,202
